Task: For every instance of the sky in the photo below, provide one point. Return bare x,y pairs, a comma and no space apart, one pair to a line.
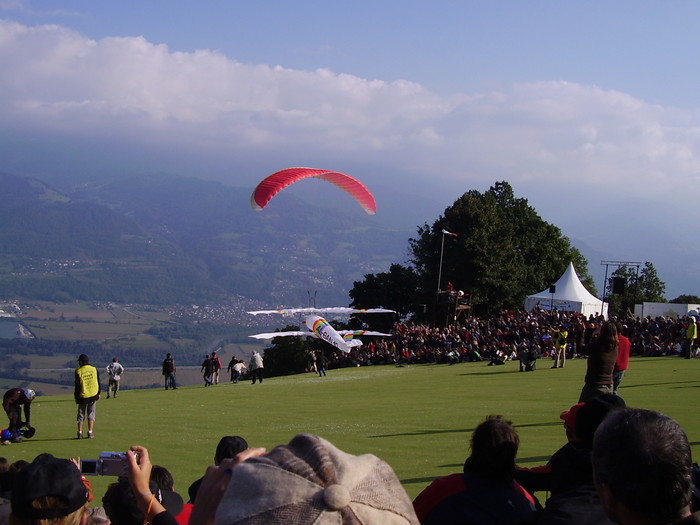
588,109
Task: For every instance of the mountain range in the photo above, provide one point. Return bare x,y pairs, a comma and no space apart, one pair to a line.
162,239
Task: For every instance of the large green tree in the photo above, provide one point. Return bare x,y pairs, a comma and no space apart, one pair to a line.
503,250
395,289
639,287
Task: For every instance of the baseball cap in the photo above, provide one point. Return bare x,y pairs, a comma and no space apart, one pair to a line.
309,481
569,416
48,476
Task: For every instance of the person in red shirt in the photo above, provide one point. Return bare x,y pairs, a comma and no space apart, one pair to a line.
623,357
486,492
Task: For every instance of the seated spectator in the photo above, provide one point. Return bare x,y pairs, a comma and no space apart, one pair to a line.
568,475
162,478
151,503
49,490
307,481
486,492
642,467
228,447
121,504
165,482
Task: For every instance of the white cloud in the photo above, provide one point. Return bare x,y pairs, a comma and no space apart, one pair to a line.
553,136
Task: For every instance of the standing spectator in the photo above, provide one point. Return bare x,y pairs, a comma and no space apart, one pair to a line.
560,336
14,400
215,367
207,370
321,363
691,334
256,367
231,368
87,392
486,492
623,358
169,370
115,371
642,465
602,354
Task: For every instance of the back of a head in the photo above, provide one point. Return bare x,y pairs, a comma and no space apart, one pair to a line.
494,446
644,459
48,489
592,413
122,509
162,477
311,482
228,447
608,338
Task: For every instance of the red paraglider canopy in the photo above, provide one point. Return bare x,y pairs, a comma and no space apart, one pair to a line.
273,184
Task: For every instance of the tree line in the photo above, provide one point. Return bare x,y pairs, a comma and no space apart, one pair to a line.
495,248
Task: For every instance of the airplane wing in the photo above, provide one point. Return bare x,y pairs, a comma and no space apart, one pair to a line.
272,335
340,310
355,333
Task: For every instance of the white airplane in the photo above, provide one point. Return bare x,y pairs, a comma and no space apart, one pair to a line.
318,327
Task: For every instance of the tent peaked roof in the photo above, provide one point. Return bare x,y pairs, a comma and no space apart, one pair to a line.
570,294
569,287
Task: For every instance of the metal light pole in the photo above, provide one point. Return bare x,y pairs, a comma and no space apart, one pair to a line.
442,251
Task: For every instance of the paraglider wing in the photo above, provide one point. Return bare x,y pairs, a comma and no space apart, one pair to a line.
273,184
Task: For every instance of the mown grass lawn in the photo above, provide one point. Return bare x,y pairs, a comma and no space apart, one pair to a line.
418,418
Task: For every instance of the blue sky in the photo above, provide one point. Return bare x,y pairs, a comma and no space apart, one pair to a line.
647,49
589,109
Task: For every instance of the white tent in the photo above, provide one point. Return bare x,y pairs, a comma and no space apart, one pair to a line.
569,295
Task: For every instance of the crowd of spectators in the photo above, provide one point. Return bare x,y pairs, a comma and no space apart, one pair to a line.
512,335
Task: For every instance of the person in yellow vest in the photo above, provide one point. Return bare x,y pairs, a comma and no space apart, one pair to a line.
691,334
87,392
560,335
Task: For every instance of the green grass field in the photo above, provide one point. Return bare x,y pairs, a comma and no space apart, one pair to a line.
418,418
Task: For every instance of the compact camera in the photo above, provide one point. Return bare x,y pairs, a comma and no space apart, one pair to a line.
108,464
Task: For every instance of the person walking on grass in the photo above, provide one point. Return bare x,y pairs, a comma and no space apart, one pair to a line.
87,392
115,371
256,367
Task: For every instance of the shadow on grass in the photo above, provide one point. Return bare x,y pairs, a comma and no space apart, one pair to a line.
462,430
52,399
695,383
496,371
409,481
